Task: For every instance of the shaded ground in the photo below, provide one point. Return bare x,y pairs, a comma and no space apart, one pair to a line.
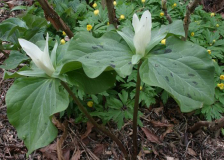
164,135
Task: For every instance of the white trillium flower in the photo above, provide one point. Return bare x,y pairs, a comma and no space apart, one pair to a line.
40,58
142,29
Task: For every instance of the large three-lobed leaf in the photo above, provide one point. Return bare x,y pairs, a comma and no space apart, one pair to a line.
30,104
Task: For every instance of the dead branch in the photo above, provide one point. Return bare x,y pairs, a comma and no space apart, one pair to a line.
111,13
213,126
164,8
54,18
190,9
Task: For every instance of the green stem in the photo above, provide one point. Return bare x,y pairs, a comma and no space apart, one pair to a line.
135,115
99,127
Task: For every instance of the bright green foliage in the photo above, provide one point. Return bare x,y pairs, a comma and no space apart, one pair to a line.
15,58
182,69
30,104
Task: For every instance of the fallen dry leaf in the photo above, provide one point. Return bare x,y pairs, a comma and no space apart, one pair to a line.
150,136
160,124
50,151
99,149
77,155
88,130
191,152
168,130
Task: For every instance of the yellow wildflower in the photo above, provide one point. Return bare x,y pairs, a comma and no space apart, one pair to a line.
161,14
174,5
163,41
108,23
221,86
217,25
143,1
212,14
62,41
89,27
63,33
213,60
214,41
90,103
122,16
209,51
192,34
94,5
222,77
115,3
141,88
96,12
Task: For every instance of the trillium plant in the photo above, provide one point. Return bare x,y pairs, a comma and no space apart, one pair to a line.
91,64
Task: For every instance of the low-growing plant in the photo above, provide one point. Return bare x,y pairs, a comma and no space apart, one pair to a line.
142,55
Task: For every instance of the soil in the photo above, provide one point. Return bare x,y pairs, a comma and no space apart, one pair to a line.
163,135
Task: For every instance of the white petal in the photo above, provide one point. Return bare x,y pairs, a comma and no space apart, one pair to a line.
146,16
49,69
31,50
143,33
135,22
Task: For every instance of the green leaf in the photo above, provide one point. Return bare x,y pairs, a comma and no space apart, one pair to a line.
96,55
92,85
175,28
15,58
127,34
185,70
19,8
30,104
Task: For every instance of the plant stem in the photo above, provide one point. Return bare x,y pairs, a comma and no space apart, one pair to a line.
135,115
111,13
164,8
190,9
54,18
99,127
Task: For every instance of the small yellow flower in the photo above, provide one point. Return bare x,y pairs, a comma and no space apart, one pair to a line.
89,27
192,34
163,41
209,51
213,60
222,77
96,12
141,88
115,3
221,86
143,1
210,44
63,33
62,41
161,14
108,23
94,5
174,5
90,103
217,25
212,14
214,41
122,16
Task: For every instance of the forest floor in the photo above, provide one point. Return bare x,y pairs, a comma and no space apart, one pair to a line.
164,135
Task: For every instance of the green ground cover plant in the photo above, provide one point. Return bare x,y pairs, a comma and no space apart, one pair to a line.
108,71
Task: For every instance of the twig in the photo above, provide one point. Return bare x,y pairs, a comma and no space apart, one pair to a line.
54,18
99,127
213,126
164,8
111,13
190,9
135,114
